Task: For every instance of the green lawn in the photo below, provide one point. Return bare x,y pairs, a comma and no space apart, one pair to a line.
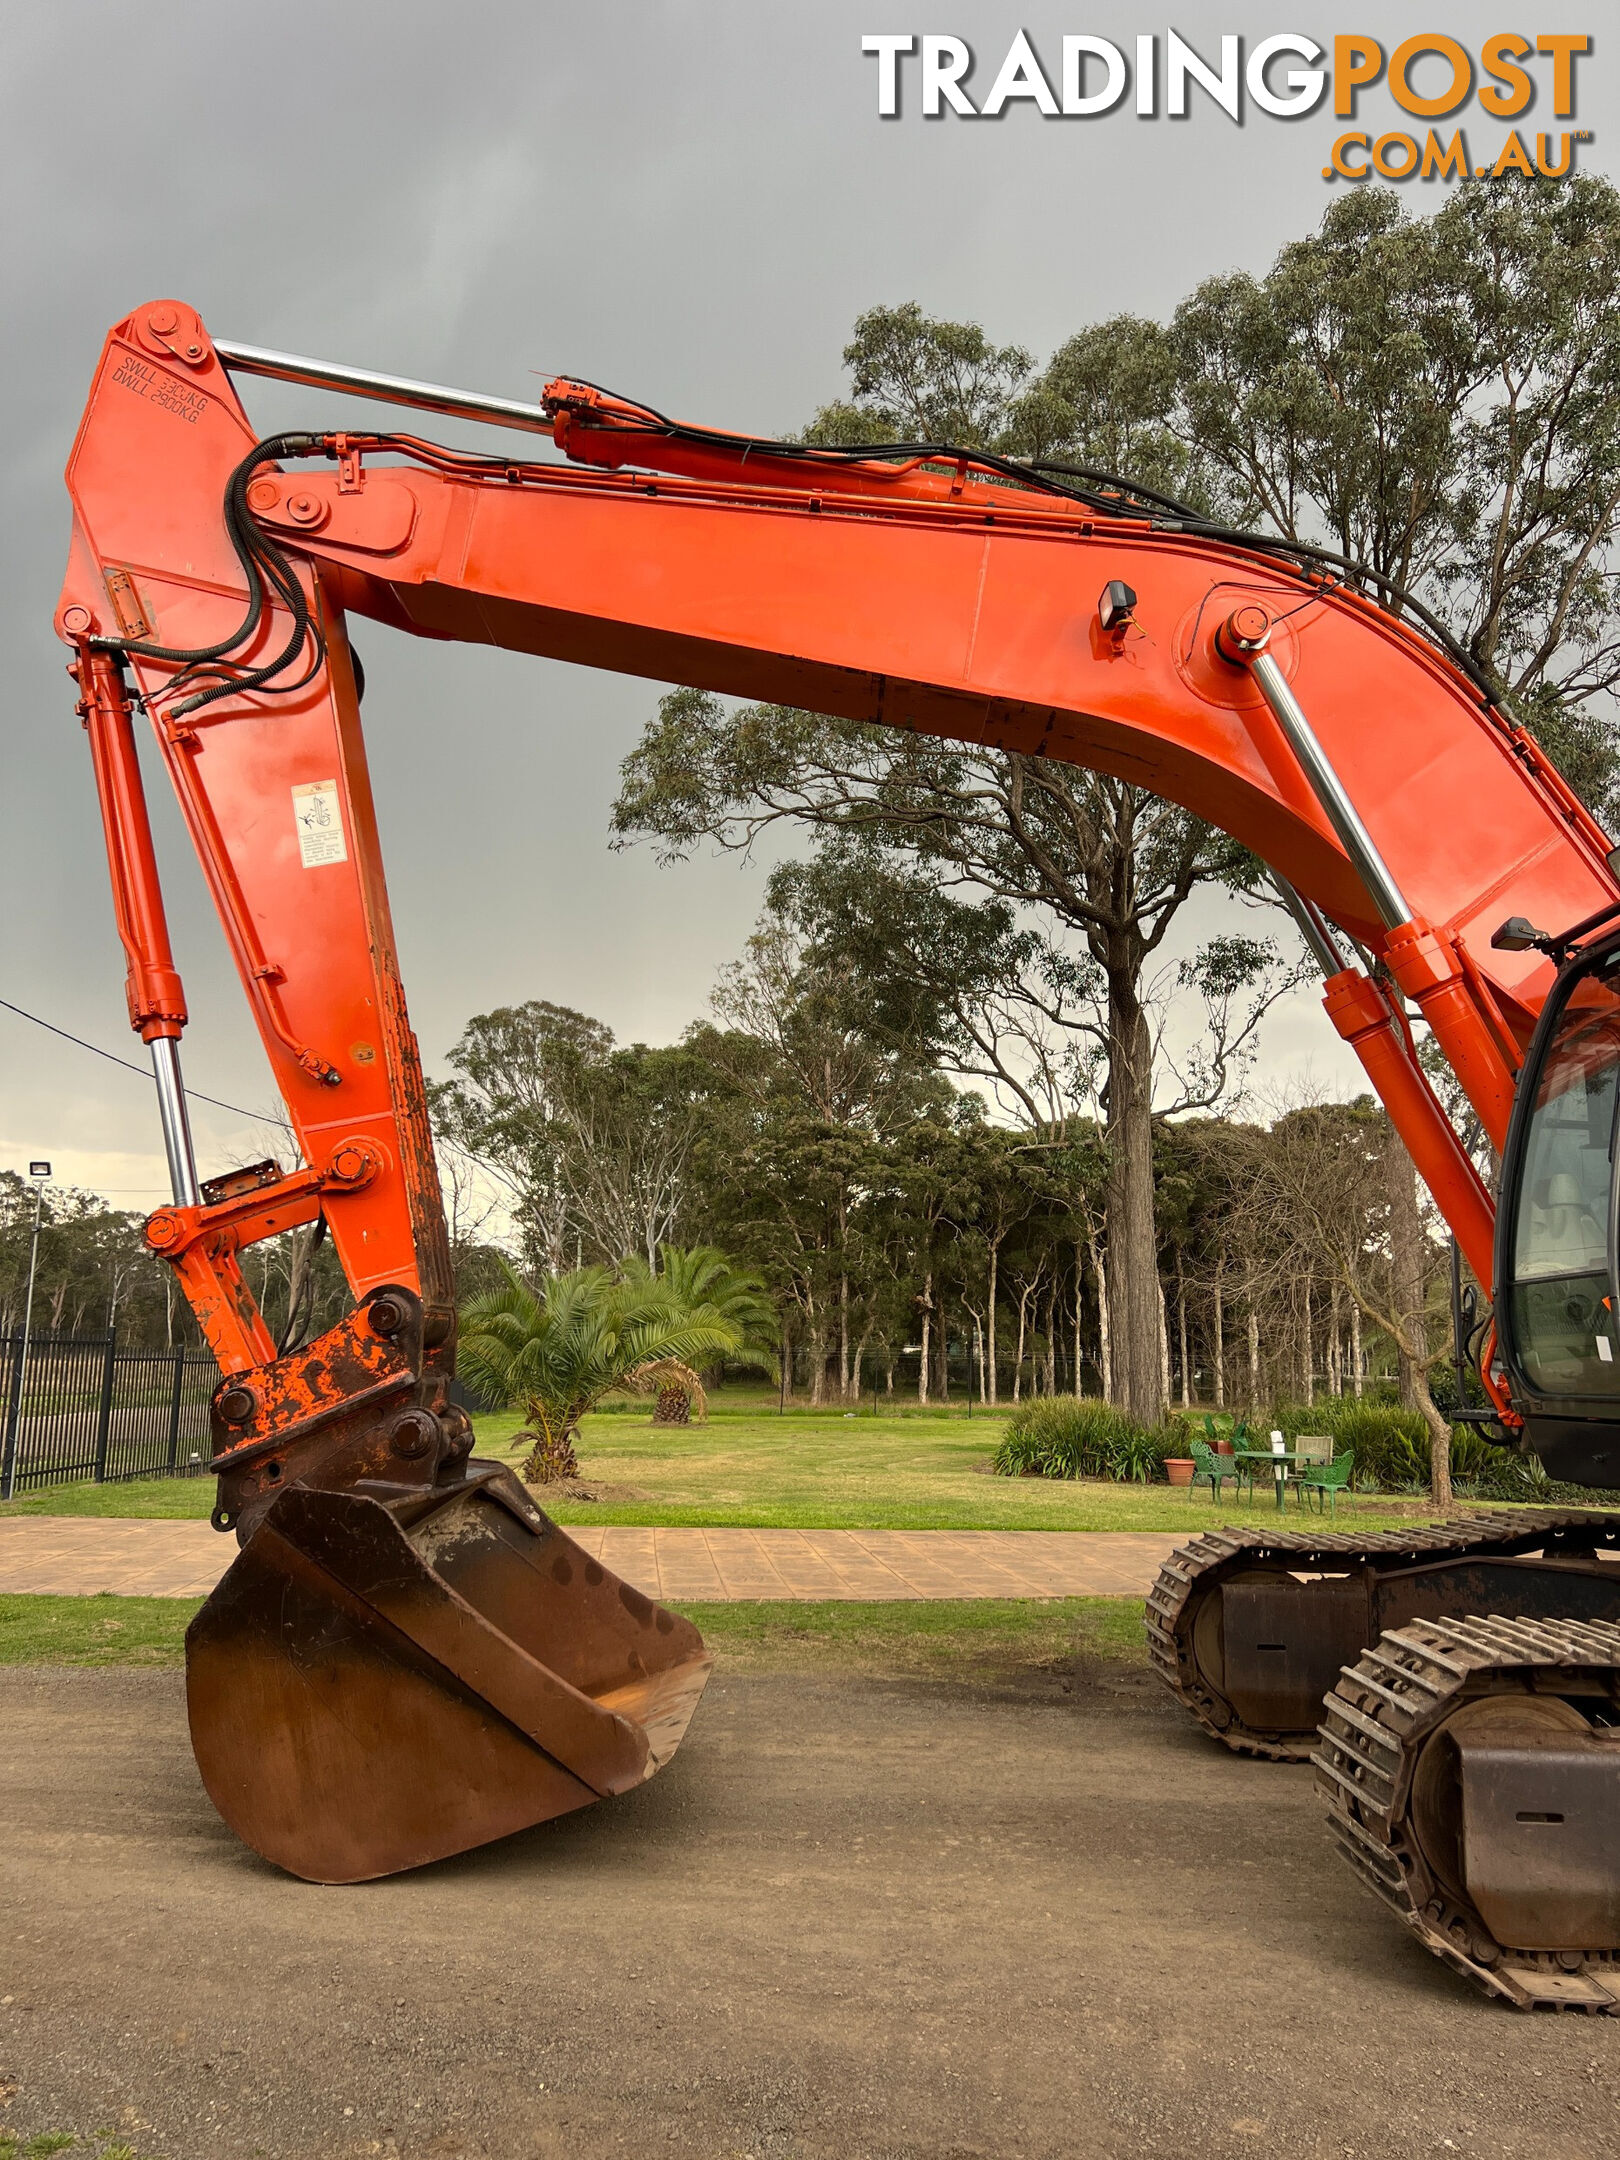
175,1499
910,1472
104,1630
749,1467
964,1638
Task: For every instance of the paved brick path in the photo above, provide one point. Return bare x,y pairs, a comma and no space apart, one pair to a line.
80,1555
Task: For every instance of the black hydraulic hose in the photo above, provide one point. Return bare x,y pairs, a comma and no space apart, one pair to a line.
1109,493
267,570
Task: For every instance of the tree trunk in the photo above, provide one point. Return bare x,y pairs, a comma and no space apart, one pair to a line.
1181,1333
926,1301
1406,1264
1439,1443
1308,1369
1254,1344
1018,1368
1051,1335
1335,1356
1079,1314
1105,1344
297,1272
1406,1248
1164,1350
1355,1347
860,1353
552,1457
1137,1376
1220,1346
843,1336
818,1361
990,1321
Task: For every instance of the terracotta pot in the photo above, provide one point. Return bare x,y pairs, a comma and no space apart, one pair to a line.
1178,1470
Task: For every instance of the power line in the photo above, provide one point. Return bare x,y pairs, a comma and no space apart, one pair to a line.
139,1070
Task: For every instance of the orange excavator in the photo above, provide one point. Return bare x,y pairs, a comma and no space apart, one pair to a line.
407,1657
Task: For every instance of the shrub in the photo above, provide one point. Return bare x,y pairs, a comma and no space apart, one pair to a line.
1511,1476
1473,1456
1392,1445
1137,1457
1063,1438
1515,1477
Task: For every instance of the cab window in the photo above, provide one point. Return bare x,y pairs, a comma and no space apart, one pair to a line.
1563,1299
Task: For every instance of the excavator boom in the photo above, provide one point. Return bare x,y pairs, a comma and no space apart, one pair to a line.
960,604
211,579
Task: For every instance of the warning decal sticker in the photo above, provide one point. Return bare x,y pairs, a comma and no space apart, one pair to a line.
320,823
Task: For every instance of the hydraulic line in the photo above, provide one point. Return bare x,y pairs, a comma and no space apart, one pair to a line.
268,571
1107,493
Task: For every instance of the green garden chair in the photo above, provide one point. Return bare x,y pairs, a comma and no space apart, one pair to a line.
1214,1470
1241,1472
1327,1481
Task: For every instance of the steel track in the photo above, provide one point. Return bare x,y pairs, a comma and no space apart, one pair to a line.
1200,1566
1375,1723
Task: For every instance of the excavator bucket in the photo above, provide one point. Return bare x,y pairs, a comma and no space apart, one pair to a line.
377,1683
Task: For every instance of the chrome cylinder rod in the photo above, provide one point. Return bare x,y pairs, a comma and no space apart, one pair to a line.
1386,896
1344,817
176,1122
1321,938
389,389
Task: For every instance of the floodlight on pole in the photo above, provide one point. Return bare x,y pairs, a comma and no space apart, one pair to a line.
40,1172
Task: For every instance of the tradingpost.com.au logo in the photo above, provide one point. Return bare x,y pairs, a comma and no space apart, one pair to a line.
1430,77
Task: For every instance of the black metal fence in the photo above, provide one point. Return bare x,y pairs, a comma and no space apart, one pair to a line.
79,1407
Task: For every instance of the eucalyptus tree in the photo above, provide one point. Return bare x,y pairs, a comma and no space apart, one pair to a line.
1108,864
1096,858
1334,1179
1437,399
806,1094
93,1268
588,1140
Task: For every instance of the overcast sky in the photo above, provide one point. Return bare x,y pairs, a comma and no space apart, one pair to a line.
690,201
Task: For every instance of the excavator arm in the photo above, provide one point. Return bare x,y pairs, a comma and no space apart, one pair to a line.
963,605
1416,829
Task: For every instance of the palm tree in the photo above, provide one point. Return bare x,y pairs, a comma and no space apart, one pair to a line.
555,1351
678,1388
704,1275
700,1275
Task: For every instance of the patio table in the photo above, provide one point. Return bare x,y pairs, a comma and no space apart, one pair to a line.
1283,1463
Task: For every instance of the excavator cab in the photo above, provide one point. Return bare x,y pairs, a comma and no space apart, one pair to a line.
1556,1312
